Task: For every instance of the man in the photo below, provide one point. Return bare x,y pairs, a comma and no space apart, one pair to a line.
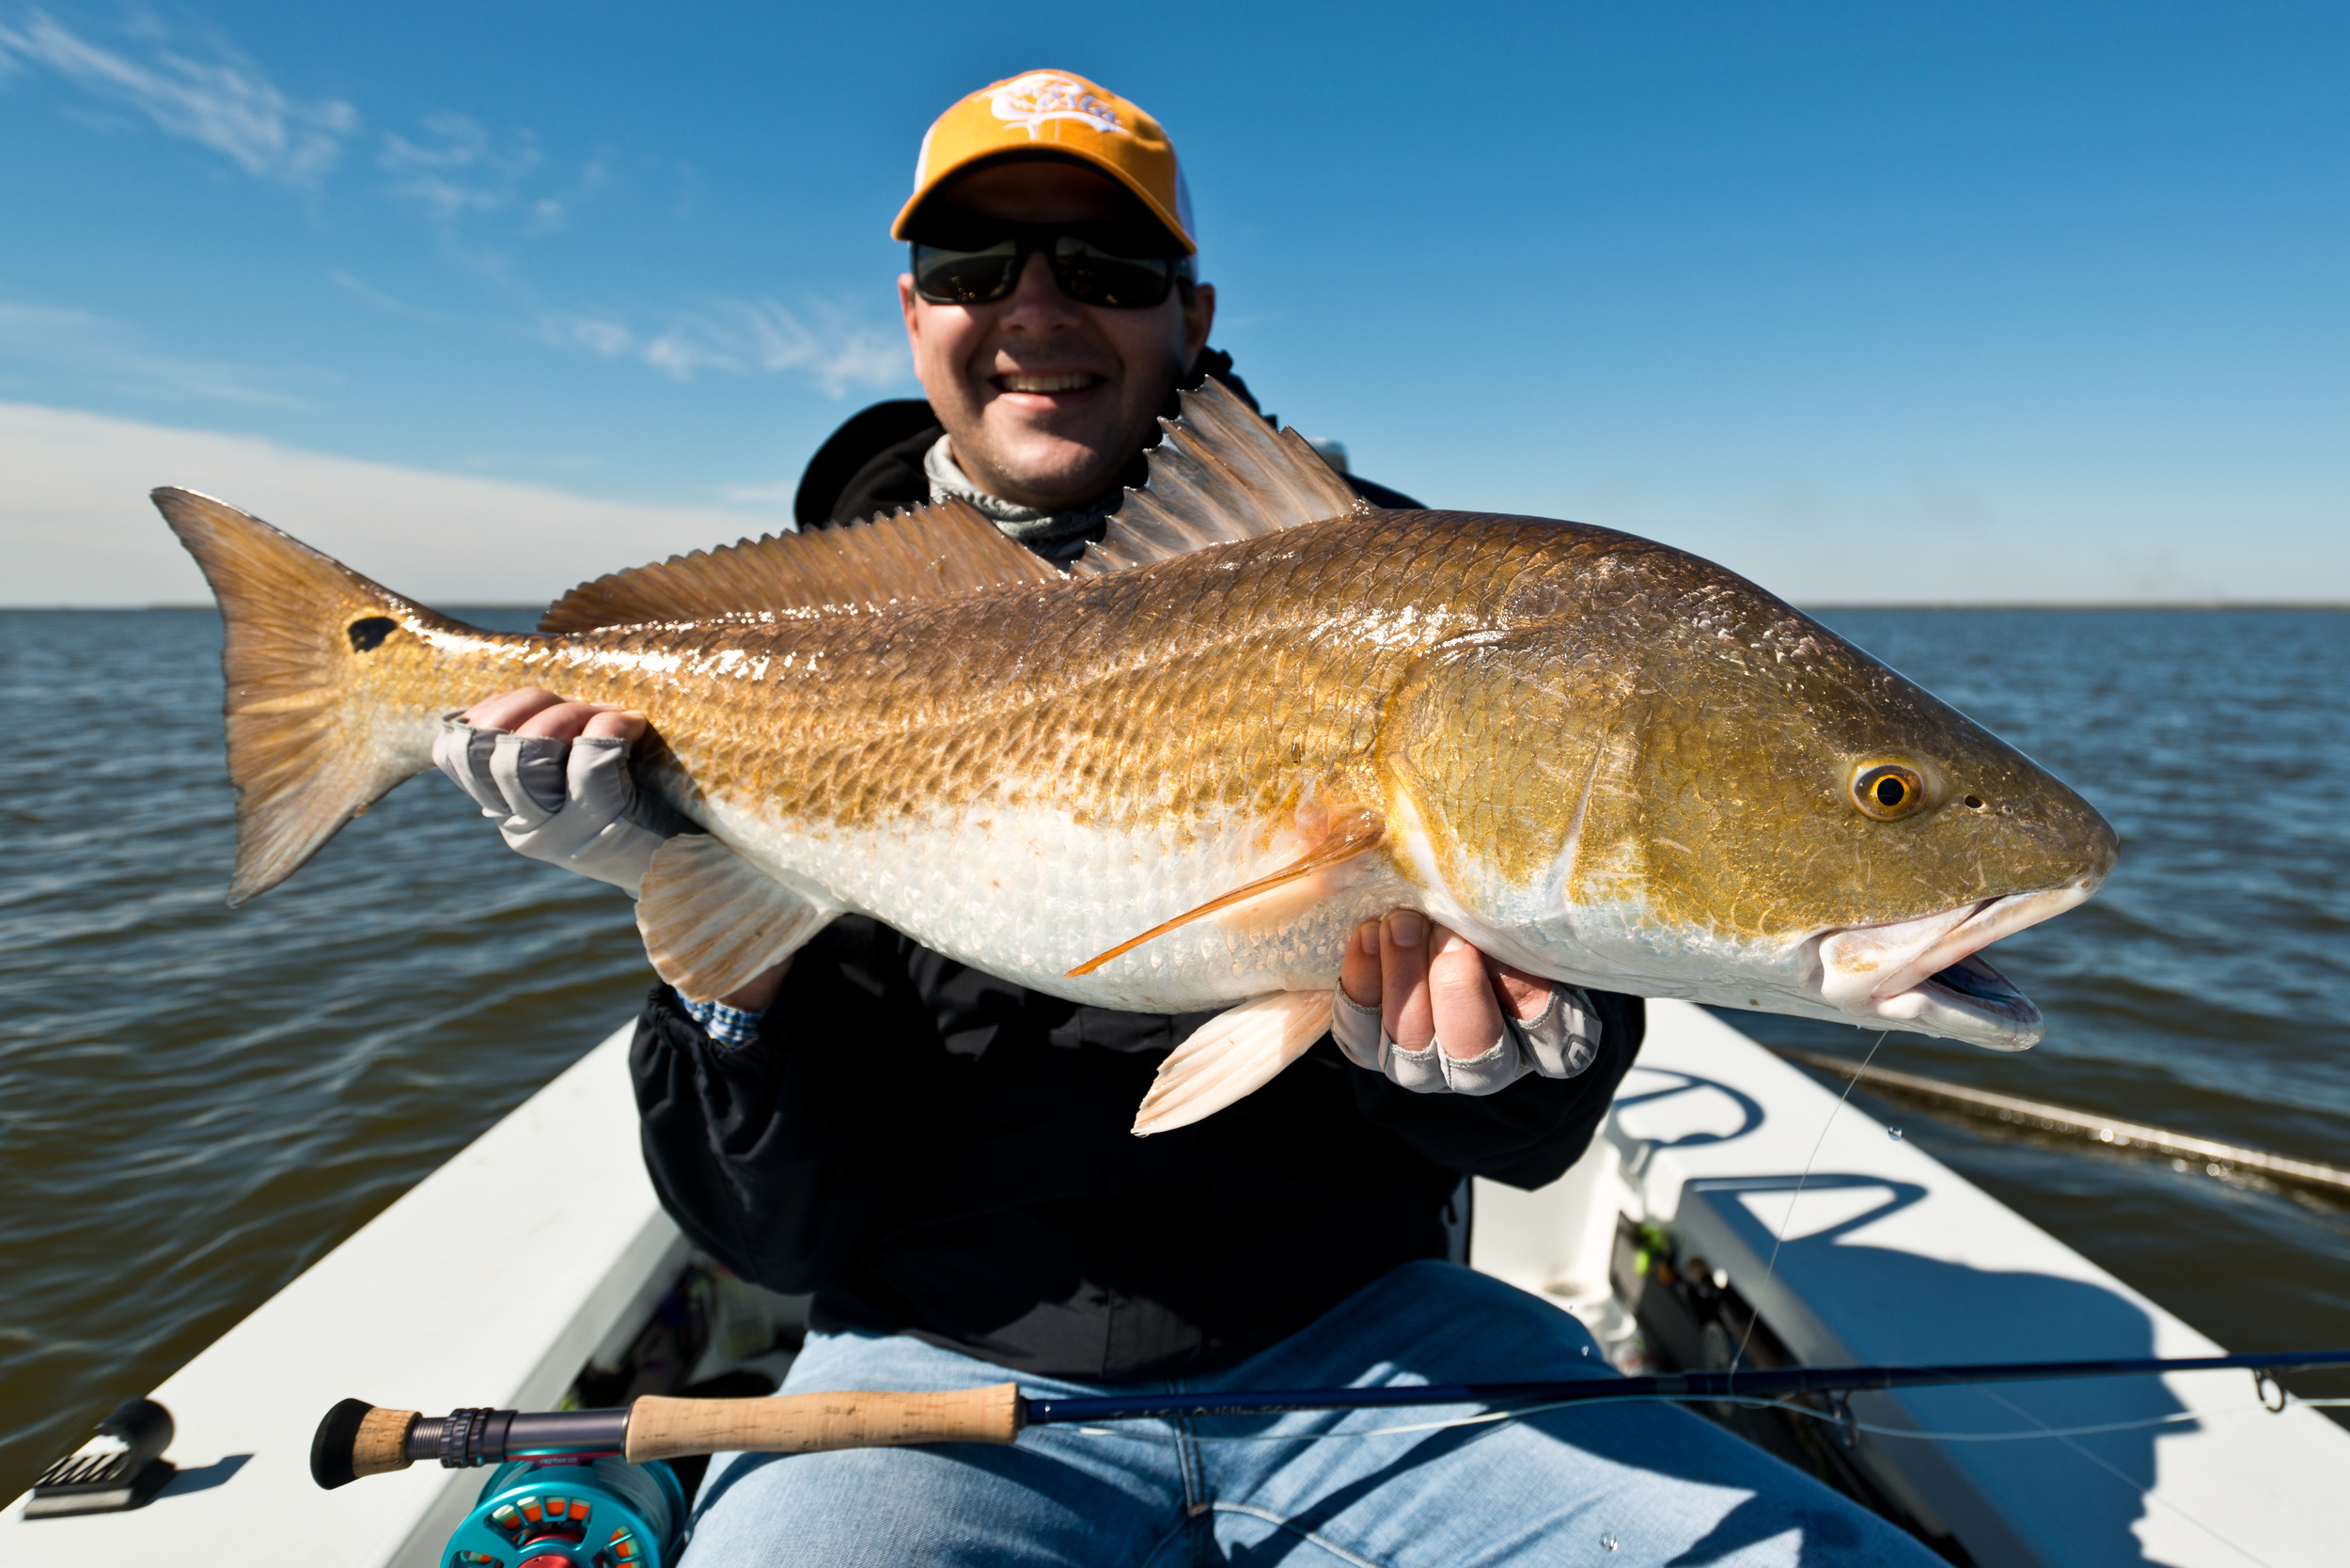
942,1158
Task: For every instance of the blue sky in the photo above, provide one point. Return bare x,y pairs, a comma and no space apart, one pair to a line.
1886,302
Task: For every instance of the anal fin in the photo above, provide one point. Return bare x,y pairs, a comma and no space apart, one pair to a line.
1231,1056
713,921
1353,831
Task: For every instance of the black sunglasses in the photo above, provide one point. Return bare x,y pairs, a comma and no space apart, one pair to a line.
1091,266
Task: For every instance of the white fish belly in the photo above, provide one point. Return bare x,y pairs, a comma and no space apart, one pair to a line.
1030,894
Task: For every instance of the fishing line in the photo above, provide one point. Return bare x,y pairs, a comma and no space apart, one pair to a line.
1754,1308
1754,1316
2138,1490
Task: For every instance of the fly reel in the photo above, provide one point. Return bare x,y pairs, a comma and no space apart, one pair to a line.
600,1512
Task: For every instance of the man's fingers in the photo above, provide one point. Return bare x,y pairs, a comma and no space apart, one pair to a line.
565,721
1460,997
1404,1005
621,724
1359,974
1523,995
1435,984
509,709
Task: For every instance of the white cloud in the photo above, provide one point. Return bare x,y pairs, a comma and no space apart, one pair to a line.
459,169
224,103
479,190
76,527
109,356
747,338
605,337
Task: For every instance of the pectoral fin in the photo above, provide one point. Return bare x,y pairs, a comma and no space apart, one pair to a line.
1352,832
1232,1055
713,921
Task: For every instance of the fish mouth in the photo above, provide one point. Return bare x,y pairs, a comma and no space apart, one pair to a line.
1927,974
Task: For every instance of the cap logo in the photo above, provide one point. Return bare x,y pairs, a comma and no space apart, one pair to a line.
1029,101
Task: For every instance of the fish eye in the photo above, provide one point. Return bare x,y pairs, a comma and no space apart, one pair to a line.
1888,790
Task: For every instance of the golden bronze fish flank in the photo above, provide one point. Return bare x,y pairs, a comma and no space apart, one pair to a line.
1256,713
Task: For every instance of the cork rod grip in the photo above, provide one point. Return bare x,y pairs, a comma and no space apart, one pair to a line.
662,1428
380,1445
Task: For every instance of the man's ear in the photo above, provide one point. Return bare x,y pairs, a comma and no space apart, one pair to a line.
905,306
1199,317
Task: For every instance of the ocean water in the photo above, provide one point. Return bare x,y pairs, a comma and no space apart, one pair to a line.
196,1102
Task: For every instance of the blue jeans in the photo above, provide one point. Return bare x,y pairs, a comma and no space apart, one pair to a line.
1608,1485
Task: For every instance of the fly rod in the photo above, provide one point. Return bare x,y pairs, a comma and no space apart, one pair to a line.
358,1439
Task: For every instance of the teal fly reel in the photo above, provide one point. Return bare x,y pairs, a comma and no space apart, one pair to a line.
601,1513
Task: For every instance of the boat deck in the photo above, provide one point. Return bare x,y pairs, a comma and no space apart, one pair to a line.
540,1247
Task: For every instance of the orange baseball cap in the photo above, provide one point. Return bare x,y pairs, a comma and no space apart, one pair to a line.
1068,116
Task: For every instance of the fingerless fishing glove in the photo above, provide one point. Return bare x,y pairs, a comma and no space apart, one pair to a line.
568,803
1558,1043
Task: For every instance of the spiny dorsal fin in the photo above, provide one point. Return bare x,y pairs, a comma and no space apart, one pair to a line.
1220,473
933,552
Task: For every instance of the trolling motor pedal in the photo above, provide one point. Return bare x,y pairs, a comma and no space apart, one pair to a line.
122,1468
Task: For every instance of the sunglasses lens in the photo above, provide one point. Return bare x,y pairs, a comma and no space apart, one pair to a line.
965,276
1086,270
1092,276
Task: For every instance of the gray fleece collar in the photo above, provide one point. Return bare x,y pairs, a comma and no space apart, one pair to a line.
1057,536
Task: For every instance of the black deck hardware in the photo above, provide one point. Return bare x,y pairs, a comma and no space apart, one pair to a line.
122,1468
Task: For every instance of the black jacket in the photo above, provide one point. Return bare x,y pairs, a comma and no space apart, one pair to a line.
933,1151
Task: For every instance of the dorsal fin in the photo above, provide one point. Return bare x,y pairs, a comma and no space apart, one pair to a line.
1220,473
933,552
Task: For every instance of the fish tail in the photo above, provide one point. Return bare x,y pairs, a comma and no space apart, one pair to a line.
319,730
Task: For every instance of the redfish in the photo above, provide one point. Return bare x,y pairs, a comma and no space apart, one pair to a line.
1175,779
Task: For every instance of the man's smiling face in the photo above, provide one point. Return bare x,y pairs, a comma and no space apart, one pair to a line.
1045,399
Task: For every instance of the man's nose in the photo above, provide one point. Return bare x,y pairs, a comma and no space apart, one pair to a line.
1036,303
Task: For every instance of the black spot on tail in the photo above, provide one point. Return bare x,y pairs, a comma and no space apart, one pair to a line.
367,634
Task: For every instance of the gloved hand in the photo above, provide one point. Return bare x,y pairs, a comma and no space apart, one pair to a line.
1559,1040
567,802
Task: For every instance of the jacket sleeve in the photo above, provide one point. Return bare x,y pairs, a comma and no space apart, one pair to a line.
1529,1133
745,1147
759,1151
